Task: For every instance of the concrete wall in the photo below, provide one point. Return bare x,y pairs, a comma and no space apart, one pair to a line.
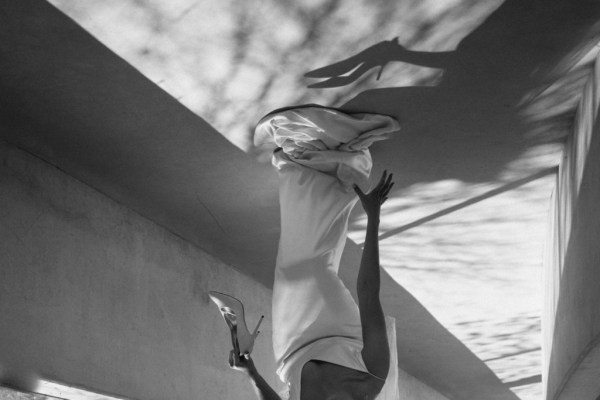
93,295
571,322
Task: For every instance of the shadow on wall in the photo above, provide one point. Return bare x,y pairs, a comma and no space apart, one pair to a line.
471,124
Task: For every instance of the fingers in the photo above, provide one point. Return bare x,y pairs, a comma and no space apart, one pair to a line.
384,182
381,181
389,179
387,189
382,188
357,190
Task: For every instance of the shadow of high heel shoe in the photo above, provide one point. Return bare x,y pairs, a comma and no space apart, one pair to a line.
337,81
350,69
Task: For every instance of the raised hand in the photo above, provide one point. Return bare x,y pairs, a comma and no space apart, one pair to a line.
373,200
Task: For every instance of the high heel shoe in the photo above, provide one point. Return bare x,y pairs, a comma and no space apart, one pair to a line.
232,311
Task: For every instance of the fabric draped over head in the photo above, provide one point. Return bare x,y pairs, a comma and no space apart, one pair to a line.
326,139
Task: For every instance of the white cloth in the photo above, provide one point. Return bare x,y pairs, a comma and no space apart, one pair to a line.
324,151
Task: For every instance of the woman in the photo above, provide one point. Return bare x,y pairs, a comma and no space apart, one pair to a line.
326,346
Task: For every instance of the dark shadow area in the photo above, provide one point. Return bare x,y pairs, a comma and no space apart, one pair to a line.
525,381
470,125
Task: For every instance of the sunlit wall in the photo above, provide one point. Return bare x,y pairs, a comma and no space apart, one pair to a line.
572,299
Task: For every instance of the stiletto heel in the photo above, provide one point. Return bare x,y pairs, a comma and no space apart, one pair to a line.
232,311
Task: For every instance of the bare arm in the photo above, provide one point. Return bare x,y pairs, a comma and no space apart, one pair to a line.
375,353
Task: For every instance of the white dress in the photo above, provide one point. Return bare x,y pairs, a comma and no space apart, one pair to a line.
323,151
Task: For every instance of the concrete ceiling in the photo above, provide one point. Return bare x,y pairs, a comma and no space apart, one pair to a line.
71,101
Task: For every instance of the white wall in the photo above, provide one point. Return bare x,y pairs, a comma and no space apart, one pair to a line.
94,295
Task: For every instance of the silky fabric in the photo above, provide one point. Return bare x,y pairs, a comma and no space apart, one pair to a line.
320,153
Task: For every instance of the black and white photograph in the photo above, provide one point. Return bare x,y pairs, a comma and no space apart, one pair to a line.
299,200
